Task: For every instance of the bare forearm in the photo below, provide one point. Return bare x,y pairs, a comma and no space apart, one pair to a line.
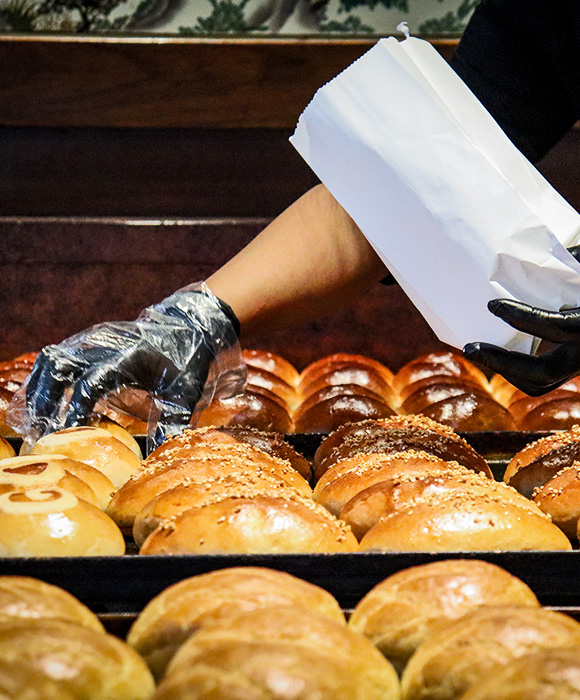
312,259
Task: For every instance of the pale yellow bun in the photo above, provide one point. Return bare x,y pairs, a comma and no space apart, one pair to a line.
26,472
464,523
96,447
6,449
120,433
289,627
273,363
185,607
549,674
206,464
559,497
87,663
19,682
364,510
252,525
55,523
30,598
399,613
396,434
171,503
478,644
349,477
542,459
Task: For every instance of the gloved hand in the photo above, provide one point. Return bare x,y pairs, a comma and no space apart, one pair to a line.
534,374
182,350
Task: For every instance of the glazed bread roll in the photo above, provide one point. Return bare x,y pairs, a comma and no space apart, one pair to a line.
477,645
549,674
559,498
464,523
400,613
91,665
6,449
254,524
185,607
426,392
171,503
328,414
471,411
275,364
366,508
206,464
439,363
342,360
19,682
255,408
542,459
349,477
120,433
259,378
94,446
290,628
396,434
55,523
24,597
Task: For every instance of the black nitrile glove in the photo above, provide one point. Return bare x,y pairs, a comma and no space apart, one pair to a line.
533,374
182,351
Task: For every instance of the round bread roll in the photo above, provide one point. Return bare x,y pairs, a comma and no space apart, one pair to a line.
259,377
559,497
441,363
429,391
127,407
477,645
400,613
347,478
396,434
347,373
253,408
330,392
290,627
560,412
91,665
6,449
255,524
205,464
5,430
471,411
549,674
542,459
464,523
94,446
327,415
25,473
19,682
55,523
120,433
502,390
366,508
272,363
183,608
24,597
171,503
338,360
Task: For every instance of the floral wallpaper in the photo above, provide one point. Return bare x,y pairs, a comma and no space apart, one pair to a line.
256,17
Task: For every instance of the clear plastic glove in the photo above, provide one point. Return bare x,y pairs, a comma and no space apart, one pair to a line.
183,351
534,374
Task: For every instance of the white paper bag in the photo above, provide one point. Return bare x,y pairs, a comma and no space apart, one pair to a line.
454,210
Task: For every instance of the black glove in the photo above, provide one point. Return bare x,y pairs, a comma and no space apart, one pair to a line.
534,374
168,350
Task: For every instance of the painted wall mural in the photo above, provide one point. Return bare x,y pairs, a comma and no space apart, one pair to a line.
439,18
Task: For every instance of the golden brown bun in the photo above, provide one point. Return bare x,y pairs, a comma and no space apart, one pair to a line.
87,663
549,674
6,449
560,412
40,472
259,378
273,363
396,434
339,360
252,525
542,459
327,415
5,399
478,644
430,390
171,503
471,411
96,447
559,497
291,628
55,523
30,598
502,390
399,613
183,608
19,682
446,363
347,373
127,407
205,464
254,409
464,523
121,433
366,508
329,392
347,478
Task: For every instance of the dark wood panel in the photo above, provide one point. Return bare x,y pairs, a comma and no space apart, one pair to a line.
60,276
167,82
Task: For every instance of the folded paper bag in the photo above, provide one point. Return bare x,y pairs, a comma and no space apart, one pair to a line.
455,211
